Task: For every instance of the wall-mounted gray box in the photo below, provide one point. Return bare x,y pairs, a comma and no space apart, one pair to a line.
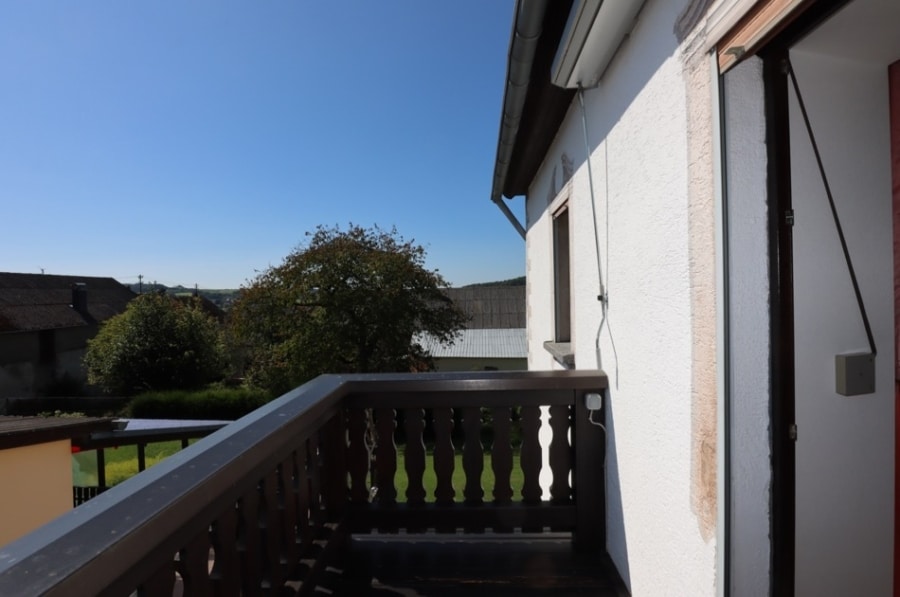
855,373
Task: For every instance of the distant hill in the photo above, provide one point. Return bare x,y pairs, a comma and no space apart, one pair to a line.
520,281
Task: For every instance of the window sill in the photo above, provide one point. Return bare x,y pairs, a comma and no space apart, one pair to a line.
562,352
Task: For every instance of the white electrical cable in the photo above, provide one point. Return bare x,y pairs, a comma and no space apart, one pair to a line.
603,296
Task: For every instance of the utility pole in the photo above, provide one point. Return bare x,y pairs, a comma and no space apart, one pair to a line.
140,284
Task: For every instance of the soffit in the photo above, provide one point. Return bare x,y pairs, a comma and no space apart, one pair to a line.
545,106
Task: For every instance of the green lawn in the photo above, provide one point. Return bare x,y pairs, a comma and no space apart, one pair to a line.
121,463
459,478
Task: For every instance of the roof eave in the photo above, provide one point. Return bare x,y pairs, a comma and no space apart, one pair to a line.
533,108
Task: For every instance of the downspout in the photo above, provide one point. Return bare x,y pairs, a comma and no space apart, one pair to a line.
510,216
527,27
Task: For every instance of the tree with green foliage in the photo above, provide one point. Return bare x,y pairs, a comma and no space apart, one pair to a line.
350,301
158,343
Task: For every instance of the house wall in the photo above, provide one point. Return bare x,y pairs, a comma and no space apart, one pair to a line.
845,445
37,487
748,324
651,170
23,374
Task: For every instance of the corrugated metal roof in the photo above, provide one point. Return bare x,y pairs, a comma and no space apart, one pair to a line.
479,344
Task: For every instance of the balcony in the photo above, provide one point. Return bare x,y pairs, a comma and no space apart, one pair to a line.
302,496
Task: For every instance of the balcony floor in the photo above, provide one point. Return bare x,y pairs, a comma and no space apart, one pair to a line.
486,565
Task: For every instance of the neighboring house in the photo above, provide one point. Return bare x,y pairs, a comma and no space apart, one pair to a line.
36,465
494,337
679,237
45,323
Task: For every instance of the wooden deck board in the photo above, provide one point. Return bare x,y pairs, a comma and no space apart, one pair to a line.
434,565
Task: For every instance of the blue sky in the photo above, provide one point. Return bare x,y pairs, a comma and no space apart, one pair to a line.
194,142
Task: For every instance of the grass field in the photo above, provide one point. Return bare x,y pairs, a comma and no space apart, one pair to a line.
121,464
458,480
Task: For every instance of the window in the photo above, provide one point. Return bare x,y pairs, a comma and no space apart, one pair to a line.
561,282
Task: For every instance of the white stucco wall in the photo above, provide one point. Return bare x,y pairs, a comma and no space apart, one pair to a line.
748,322
639,137
845,446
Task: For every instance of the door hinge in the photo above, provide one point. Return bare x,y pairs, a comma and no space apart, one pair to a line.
789,217
792,432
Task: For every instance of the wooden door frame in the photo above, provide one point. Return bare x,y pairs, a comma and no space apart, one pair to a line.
894,101
781,288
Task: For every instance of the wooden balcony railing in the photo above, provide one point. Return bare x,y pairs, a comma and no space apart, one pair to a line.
263,505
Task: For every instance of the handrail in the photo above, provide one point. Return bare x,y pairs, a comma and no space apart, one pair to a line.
126,537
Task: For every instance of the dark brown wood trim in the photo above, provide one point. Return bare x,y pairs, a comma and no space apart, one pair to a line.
894,95
783,414
782,326
364,518
761,23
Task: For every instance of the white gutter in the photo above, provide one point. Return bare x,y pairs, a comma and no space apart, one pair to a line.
527,27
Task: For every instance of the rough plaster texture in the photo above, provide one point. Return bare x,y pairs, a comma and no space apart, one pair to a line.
702,253
650,180
37,487
845,446
748,311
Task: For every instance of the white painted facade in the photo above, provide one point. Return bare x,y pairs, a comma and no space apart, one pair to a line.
672,357
638,126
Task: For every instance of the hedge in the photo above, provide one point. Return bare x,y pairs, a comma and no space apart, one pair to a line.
226,404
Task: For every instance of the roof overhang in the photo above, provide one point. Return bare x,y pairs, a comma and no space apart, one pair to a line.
533,108
555,47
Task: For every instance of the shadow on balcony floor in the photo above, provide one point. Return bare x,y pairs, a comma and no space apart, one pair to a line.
433,565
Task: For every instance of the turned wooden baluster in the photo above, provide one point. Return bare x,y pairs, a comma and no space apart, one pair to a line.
357,456
560,454
444,463
473,456
225,573
287,504
270,533
473,461
304,502
193,566
385,461
314,471
414,426
530,460
333,451
385,456
248,546
502,460
160,583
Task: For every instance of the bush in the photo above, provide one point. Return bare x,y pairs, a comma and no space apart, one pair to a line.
158,343
225,404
